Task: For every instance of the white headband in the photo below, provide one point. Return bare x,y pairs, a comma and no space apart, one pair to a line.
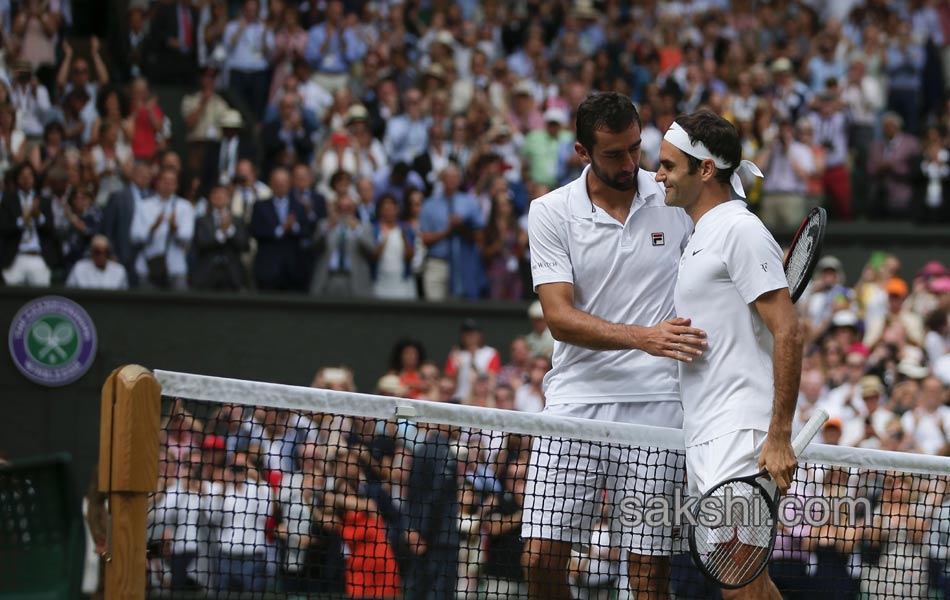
677,136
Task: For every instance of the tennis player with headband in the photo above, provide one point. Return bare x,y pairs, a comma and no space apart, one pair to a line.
739,396
604,250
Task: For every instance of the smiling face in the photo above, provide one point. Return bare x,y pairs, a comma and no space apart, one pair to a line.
614,157
682,187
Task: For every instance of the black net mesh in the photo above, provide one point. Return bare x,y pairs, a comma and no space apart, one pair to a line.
266,502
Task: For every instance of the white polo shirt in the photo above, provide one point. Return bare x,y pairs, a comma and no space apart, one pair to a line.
730,261
622,274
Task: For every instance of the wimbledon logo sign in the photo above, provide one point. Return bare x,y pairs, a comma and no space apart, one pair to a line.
52,341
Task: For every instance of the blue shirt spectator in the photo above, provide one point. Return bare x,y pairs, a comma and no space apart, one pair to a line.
331,46
407,134
452,217
249,45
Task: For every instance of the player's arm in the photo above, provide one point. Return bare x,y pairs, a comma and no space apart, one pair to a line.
672,339
778,313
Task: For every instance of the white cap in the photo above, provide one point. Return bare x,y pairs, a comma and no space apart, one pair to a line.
556,115
535,311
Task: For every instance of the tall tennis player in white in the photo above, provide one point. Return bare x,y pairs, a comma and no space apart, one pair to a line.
739,397
604,252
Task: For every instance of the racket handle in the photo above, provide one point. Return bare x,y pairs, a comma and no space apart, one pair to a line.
809,431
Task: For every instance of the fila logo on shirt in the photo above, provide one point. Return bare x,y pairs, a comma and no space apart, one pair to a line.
657,239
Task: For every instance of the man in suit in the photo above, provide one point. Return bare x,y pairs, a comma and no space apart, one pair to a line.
279,224
344,246
222,156
28,245
304,192
431,508
287,140
173,44
119,214
219,242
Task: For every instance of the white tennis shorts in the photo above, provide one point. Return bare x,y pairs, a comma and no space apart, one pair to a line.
570,482
728,456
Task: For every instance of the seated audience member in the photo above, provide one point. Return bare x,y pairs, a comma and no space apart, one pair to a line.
220,239
98,271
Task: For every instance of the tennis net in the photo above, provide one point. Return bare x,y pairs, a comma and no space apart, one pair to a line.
269,490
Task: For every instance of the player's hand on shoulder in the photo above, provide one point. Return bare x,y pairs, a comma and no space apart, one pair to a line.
674,338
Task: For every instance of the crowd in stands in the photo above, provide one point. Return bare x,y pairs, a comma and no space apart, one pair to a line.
391,149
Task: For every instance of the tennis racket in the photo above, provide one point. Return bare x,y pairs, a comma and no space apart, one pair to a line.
736,522
804,252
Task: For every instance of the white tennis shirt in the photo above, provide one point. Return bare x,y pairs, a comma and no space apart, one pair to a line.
729,262
622,273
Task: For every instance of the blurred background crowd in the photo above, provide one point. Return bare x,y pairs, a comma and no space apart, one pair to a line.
391,149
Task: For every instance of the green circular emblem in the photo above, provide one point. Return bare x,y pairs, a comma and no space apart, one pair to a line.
52,340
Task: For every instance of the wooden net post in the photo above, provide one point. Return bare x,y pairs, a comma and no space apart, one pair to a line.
128,473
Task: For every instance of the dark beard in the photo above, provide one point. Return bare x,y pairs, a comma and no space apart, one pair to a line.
613,183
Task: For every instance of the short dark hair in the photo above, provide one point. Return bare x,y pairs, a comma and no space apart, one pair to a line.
604,111
19,168
718,135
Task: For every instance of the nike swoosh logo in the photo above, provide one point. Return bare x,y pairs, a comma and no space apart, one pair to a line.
695,252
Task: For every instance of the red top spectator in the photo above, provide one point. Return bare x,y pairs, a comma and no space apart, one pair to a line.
371,569
146,117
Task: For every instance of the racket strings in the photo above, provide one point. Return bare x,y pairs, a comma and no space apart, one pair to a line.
734,550
804,247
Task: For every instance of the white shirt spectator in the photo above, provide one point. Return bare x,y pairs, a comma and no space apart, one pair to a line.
87,275
32,105
780,176
941,369
405,138
160,242
465,365
314,97
252,49
183,511
863,101
245,508
928,429
527,400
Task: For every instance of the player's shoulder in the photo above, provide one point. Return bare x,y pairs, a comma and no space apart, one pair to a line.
555,199
737,217
554,205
